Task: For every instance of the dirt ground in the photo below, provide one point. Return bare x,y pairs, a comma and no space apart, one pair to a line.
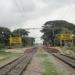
35,67
16,53
3,62
61,67
16,50
1,57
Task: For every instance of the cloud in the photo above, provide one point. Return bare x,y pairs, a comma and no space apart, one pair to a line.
23,5
34,13
14,12
64,13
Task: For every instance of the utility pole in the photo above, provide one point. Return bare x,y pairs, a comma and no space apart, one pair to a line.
73,40
10,39
53,30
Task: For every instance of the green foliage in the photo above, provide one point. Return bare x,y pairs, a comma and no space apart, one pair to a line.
4,35
1,46
21,32
6,55
49,69
52,28
28,41
70,46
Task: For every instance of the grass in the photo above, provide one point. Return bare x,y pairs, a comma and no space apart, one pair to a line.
48,68
69,52
5,55
42,55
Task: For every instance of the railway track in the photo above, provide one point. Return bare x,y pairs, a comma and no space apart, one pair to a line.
51,50
68,60
17,66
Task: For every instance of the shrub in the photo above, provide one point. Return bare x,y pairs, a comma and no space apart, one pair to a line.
70,46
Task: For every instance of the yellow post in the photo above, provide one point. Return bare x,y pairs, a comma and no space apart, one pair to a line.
10,40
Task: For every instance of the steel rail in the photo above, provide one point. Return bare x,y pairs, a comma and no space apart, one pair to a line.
17,66
66,59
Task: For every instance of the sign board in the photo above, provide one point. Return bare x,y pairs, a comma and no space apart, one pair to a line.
65,36
15,40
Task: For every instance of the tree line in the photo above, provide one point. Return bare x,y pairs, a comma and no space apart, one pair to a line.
52,28
6,32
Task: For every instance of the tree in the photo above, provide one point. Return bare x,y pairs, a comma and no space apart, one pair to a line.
4,35
20,32
52,28
28,41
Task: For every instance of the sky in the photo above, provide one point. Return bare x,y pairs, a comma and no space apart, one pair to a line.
34,13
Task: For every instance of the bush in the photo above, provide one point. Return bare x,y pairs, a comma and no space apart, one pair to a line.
70,46
1,46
